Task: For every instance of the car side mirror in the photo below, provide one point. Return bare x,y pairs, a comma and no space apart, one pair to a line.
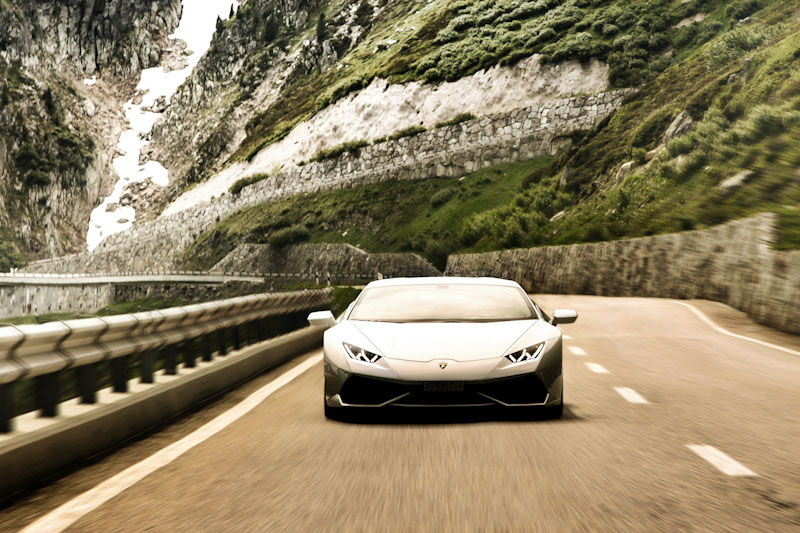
564,316
323,319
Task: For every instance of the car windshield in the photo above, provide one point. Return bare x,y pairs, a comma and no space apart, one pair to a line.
443,303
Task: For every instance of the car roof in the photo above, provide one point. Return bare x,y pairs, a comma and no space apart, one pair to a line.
439,280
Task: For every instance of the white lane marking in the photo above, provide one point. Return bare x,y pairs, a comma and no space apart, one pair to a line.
566,337
721,461
597,369
577,350
724,331
66,515
631,395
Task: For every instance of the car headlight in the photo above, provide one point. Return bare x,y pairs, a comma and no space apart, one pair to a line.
360,354
528,354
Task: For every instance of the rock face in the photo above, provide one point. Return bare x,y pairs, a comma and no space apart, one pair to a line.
119,37
682,124
58,128
730,185
732,263
241,76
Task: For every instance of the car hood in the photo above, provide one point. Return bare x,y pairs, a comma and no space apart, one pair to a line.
457,341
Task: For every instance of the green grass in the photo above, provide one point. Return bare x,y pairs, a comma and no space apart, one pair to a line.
237,187
384,217
458,119
789,225
351,147
342,297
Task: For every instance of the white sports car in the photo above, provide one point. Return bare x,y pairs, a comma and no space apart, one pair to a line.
433,342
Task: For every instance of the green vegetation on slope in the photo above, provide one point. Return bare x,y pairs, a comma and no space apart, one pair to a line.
444,40
390,216
746,115
742,89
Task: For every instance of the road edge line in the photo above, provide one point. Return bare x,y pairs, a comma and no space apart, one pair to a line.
724,331
70,512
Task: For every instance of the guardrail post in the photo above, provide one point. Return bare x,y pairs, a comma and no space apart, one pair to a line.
6,407
171,360
252,330
119,373
189,360
222,339
208,352
87,383
147,365
237,340
48,394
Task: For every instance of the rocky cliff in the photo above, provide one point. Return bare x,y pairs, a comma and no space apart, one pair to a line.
66,67
269,46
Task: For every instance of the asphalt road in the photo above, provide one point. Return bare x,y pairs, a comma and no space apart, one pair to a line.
611,464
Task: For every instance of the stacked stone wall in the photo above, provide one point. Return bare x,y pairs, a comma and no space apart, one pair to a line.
29,300
450,151
733,264
335,263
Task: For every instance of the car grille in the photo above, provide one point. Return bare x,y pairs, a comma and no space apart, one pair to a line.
518,390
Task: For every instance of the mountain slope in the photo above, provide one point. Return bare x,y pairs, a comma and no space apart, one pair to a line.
731,99
57,133
277,64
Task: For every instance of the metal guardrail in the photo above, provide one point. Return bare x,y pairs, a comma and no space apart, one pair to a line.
197,274
42,352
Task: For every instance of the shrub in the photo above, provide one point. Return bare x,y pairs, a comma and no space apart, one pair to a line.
639,155
681,145
581,46
237,187
321,32
270,30
407,132
458,119
9,256
609,30
336,151
286,236
742,9
653,127
623,201
442,197
733,45
364,13
36,178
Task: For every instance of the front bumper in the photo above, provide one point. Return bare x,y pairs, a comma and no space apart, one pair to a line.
344,389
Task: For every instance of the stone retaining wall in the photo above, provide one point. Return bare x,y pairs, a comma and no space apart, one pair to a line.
732,263
32,299
451,151
340,264
28,300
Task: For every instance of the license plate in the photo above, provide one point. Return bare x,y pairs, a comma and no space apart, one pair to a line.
444,386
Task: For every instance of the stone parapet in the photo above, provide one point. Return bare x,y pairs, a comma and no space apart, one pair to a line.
733,264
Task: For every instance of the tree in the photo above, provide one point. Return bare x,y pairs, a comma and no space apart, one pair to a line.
270,30
232,13
321,28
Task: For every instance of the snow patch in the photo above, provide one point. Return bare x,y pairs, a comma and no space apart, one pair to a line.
196,28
